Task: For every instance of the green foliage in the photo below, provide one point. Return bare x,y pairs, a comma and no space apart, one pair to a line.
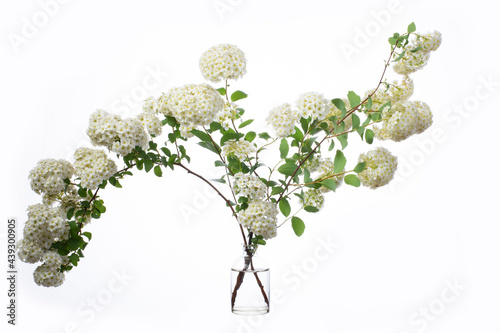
339,162
287,169
298,226
359,167
329,184
284,148
311,209
352,180
354,99
245,123
284,206
369,135
237,95
412,27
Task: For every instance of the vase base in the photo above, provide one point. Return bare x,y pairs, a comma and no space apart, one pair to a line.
250,311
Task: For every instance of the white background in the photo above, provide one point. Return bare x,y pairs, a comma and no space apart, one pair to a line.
396,250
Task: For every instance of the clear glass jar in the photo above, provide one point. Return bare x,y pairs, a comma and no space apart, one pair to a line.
250,284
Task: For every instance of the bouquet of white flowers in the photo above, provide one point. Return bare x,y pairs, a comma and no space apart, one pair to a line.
310,137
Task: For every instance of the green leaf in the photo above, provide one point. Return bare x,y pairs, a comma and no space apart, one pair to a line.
230,136
201,135
158,172
340,105
219,180
392,40
355,121
70,213
219,164
285,207
171,121
284,148
343,140
329,184
369,135
264,136
304,123
339,162
245,123
360,167
237,95
354,99
153,145
311,209
74,258
287,169
298,226
148,165
222,90
277,190
63,252
332,144
416,49
412,27
401,55
82,192
352,180
73,244
87,234
250,136
209,146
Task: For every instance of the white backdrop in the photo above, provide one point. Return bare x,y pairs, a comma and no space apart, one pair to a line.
420,255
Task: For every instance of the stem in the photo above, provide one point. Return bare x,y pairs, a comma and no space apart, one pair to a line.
228,203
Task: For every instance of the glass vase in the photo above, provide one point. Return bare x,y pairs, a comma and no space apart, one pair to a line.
250,284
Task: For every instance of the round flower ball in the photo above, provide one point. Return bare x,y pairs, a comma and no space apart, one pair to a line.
223,62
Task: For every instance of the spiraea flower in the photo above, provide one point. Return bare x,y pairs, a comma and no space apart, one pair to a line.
48,276
314,198
313,104
44,226
418,53
260,217
151,122
48,176
93,167
150,105
380,167
248,185
227,115
223,62
283,119
403,120
239,149
118,135
192,105
401,91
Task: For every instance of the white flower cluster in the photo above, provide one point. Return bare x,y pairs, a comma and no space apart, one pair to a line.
404,119
93,166
401,91
223,62
150,105
248,185
192,105
282,119
314,105
239,149
313,163
151,122
260,218
48,274
413,61
380,167
227,115
313,197
326,170
118,135
44,226
48,176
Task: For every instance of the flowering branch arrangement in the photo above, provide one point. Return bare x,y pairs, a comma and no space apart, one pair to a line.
309,137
